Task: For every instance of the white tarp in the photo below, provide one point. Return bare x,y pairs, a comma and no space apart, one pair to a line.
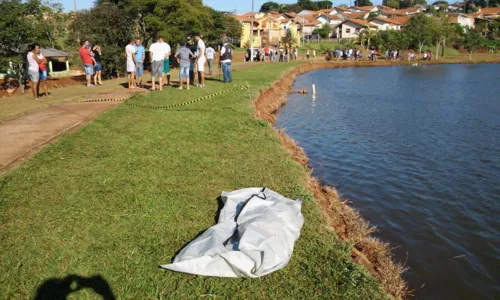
254,236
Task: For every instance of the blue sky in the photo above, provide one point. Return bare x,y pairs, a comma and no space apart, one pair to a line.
241,6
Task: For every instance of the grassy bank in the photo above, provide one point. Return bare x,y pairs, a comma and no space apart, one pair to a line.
123,194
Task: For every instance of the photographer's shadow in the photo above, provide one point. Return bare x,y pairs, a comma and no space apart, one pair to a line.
59,289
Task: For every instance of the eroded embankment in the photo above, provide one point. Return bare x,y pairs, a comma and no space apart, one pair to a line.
347,223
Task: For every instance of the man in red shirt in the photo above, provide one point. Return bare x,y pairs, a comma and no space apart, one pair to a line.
87,60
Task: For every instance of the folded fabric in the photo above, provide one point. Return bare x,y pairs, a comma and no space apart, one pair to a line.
254,236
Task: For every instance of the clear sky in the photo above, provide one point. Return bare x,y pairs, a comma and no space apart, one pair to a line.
241,6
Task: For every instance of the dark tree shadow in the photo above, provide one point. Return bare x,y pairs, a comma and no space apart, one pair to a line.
60,289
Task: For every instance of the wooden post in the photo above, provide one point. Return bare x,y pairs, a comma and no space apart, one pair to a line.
67,66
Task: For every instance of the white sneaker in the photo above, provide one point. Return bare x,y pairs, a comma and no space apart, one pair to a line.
89,85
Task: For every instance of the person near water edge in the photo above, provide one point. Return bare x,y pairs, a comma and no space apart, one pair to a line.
226,56
42,66
87,60
184,56
131,63
200,62
210,52
140,55
166,63
157,53
97,52
33,69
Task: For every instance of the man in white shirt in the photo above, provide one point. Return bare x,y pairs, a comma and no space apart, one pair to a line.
200,61
157,53
210,58
131,63
166,62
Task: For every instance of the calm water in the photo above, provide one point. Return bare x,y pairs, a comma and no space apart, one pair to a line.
417,151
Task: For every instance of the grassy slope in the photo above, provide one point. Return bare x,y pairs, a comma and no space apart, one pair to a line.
123,194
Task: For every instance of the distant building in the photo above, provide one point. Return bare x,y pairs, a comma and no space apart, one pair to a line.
351,28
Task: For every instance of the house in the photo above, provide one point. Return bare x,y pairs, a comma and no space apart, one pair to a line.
390,23
350,28
329,19
400,12
466,21
307,13
490,12
368,9
340,10
247,30
307,23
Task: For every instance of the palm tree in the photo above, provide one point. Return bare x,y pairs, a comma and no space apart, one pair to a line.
365,37
289,41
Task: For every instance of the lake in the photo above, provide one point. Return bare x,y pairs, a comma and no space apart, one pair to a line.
417,151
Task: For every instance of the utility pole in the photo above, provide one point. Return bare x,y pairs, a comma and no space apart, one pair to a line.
74,3
251,35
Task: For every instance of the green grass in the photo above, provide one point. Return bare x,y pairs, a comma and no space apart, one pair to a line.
123,194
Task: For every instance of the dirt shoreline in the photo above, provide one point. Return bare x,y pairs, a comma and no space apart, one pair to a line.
340,218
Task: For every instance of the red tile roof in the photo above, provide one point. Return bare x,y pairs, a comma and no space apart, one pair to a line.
360,22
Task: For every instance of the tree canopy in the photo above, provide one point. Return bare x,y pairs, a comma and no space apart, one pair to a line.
363,3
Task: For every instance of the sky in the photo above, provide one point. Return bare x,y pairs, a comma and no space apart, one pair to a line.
241,6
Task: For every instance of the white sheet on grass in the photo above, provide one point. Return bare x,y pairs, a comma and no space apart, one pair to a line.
254,236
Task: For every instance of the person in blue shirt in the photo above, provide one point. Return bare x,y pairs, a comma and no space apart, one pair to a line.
140,54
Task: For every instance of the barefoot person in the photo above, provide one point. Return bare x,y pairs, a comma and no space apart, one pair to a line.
87,60
42,66
157,54
166,63
131,63
184,56
33,69
96,50
140,55
200,62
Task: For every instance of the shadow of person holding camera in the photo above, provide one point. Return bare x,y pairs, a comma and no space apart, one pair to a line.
59,289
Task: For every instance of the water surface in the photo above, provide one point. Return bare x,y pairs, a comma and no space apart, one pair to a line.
417,151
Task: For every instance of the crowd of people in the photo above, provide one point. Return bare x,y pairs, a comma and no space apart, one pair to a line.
276,54
191,56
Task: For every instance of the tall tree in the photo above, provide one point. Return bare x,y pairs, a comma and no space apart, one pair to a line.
419,30
324,4
308,4
472,40
268,6
363,3
442,31
289,41
411,3
365,37
391,3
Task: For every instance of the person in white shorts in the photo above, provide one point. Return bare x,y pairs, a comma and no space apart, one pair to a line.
157,54
201,60
131,63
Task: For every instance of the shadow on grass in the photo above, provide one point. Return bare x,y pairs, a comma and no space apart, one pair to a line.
59,289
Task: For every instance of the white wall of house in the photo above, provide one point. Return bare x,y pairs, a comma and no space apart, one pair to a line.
384,25
465,21
335,22
304,13
323,19
350,30
309,29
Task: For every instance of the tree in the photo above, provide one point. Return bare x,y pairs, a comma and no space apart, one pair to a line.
411,3
363,3
391,3
108,26
289,41
372,15
365,37
323,31
324,4
308,4
419,30
472,40
268,6
442,30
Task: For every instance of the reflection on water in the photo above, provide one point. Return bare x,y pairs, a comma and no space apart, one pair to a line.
417,151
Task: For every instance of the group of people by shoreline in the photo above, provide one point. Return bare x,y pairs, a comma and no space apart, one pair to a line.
191,56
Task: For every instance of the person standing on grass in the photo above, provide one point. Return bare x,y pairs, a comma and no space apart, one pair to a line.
184,56
166,63
200,63
87,60
131,64
226,56
210,52
308,54
140,55
314,54
157,53
96,51
42,66
191,47
33,69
